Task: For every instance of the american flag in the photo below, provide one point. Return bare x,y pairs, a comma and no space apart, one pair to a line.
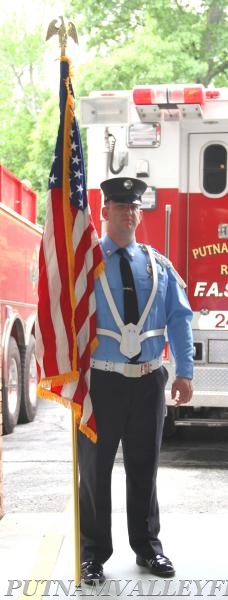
70,259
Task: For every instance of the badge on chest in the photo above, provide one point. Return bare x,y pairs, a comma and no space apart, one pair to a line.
130,344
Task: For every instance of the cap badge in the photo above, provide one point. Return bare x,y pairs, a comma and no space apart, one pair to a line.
128,184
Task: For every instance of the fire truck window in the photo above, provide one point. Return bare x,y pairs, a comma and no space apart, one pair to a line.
215,169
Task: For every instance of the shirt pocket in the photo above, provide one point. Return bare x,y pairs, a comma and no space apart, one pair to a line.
143,289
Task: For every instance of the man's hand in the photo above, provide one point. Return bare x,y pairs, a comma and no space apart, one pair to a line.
182,390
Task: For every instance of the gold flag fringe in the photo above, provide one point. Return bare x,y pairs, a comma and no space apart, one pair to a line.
48,395
88,432
47,382
69,116
99,269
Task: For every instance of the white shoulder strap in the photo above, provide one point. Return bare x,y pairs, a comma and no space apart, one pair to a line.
154,289
112,306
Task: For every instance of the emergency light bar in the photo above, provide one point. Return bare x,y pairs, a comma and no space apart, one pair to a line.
166,94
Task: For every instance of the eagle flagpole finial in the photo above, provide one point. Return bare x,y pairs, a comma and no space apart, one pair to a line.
58,26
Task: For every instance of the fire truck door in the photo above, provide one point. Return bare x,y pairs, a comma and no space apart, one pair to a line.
208,226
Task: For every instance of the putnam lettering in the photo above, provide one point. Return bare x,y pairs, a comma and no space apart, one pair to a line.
210,250
14,584
172,588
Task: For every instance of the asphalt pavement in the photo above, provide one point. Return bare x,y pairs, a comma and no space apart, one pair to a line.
37,544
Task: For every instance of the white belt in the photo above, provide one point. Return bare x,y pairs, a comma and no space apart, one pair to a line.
127,369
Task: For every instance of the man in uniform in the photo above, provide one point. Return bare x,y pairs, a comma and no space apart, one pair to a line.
128,382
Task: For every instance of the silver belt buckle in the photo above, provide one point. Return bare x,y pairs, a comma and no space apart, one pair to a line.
146,368
131,370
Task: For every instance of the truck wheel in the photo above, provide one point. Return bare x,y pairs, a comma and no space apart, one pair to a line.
29,385
11,391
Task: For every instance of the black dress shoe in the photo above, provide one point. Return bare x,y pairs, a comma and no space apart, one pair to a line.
92,571
158,565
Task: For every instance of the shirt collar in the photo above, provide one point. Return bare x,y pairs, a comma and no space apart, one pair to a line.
110,247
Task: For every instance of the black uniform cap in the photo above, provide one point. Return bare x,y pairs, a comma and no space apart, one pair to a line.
123,189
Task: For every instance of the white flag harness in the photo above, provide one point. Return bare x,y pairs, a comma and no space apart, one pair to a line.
130,337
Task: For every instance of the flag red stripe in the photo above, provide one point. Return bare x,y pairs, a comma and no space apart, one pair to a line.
61,254
45,320
82,309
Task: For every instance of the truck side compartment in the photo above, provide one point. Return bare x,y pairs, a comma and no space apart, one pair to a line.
19,250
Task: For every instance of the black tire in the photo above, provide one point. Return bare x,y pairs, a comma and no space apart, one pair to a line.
29,384
11,391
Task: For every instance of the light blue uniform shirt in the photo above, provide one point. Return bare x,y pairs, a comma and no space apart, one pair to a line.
170,309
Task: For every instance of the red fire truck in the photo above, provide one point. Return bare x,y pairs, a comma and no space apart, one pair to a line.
19,248
175,138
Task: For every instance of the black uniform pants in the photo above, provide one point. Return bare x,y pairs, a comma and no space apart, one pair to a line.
131,410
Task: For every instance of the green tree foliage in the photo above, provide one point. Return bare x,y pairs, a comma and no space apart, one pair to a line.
146,59
29,109
183,40
41,150
132,43
21,96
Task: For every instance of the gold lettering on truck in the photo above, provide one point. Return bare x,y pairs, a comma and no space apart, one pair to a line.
223,269
210,250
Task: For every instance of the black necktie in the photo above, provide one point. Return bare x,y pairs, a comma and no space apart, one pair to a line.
131,311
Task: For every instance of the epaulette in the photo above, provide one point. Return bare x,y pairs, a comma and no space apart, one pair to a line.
166,262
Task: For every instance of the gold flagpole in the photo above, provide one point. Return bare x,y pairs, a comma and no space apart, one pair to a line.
57,26
76,500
